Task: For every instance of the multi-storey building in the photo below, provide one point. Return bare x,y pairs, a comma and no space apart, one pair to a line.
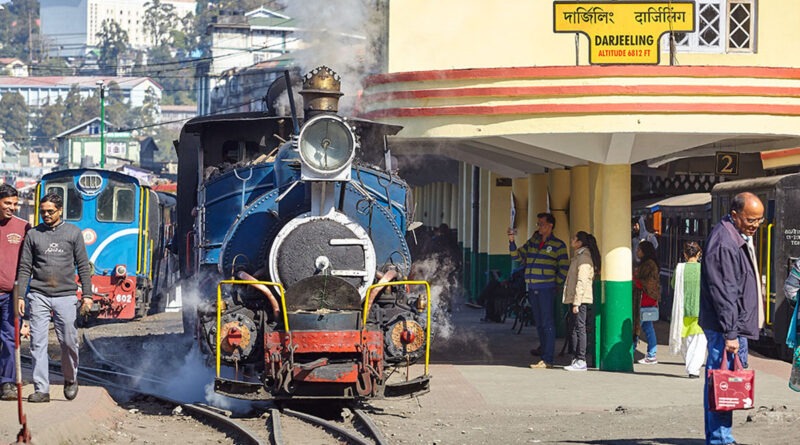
251,42
39,91
70,27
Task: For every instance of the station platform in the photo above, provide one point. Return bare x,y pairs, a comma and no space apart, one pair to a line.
483,391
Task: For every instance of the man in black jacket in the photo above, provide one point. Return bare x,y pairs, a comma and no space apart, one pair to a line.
50,254
730,297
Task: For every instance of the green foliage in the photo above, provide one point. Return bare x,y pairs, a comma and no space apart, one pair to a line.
52,66
17,22
113,42
50,121
159,20
14,117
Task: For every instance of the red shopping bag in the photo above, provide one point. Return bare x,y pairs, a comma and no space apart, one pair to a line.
731,390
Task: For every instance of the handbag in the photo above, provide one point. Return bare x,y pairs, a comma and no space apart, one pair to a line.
730,390
649,313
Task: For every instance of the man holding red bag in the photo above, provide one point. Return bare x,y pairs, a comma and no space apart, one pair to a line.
730,298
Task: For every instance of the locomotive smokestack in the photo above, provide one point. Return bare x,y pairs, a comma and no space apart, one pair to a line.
321,92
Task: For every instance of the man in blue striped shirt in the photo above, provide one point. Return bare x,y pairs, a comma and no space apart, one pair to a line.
546,263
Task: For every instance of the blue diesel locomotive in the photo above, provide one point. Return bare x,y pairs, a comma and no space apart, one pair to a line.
126,227
292,237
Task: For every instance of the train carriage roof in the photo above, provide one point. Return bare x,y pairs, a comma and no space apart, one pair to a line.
767,182
689,200
74,172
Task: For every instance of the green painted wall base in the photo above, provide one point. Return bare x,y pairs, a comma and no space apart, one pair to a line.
616,349
467,274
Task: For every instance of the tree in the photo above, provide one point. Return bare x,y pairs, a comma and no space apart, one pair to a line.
52,66
73,112
51,120
113,42
147,115
159,21
18,26
14,117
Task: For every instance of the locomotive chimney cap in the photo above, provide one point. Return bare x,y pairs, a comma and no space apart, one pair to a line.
321,90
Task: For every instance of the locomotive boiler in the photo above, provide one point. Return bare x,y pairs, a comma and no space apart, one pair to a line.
292,232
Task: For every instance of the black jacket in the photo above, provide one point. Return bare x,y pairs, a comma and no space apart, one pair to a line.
728,284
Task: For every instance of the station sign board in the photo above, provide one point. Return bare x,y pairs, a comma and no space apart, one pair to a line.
623,33
727,163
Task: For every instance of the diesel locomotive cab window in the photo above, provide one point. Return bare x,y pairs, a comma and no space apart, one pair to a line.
116,203
73,204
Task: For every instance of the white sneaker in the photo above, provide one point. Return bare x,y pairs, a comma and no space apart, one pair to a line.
577,365
648,361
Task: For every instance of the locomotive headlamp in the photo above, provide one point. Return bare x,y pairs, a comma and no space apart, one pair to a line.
327,146
120,270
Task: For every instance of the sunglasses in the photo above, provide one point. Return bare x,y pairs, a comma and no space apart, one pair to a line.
49,212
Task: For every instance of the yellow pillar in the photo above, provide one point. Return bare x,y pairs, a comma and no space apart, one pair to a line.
499,209
537,201
559,202
483,230
579,211
612,208
520,188
455,205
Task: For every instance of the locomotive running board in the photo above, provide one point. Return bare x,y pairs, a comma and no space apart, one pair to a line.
241,390
416,386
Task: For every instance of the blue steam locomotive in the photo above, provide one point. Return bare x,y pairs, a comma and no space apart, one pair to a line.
126,227
292,238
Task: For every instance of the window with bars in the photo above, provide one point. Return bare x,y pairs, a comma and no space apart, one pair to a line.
720,26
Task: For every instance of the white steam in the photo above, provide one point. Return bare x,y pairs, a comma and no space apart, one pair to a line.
343,35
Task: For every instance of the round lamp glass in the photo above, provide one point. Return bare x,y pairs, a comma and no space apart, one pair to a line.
326,144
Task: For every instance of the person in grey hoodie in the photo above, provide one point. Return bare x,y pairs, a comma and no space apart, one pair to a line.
50,254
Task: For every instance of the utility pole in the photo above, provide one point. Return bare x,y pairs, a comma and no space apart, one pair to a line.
102,86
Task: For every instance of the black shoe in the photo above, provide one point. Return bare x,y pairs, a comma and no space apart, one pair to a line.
70,390
536,352
694,376
39,397
9,392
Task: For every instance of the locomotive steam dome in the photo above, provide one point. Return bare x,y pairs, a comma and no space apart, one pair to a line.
321,91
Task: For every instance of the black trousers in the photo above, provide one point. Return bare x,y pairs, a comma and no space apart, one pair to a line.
578,334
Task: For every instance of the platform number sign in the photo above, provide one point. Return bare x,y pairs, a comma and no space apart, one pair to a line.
727,164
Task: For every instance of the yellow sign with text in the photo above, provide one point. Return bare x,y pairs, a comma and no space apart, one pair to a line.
623,32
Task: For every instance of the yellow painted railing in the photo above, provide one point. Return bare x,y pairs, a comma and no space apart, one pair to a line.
219,311
768,296
367,304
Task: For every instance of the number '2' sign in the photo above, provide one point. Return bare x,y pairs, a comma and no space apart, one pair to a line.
727,164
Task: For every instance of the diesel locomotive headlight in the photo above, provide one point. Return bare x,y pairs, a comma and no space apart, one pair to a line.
327,146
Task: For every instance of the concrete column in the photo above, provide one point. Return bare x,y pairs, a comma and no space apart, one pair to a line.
499,209
579,211
455,206
520,188
612,208
537,201
483,230
470,250
438,188
559,202
447,199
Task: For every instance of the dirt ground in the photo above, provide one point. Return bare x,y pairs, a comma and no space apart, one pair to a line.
452,413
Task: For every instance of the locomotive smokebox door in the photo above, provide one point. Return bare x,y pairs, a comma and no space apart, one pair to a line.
331,245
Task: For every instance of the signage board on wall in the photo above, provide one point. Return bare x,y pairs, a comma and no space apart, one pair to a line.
623,33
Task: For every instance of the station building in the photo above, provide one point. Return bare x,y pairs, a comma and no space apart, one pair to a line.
564,105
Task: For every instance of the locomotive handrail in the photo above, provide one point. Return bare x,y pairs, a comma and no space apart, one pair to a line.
219,311
768,319
367,305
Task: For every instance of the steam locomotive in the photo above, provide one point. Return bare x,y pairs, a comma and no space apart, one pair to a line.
293,238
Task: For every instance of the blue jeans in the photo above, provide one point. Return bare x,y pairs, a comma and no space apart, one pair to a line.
718,424
542,303
650,334
8,372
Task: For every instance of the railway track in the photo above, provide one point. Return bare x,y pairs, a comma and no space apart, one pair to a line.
116,376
